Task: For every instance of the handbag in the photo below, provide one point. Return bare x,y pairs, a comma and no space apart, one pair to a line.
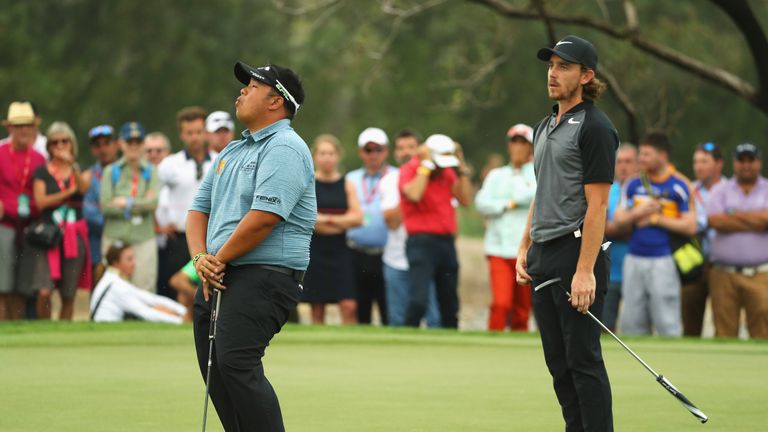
686,251
43,234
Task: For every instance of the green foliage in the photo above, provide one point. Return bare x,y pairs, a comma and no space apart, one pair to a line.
455,68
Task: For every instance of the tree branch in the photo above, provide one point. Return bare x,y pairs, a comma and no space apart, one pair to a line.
624,101
742,15
712,74
539,6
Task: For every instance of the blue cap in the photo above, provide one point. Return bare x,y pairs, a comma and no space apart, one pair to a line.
100,131
132,130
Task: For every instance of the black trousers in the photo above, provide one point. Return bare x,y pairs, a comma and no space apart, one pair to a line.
369,286
253,309
171,259
571,340
432,258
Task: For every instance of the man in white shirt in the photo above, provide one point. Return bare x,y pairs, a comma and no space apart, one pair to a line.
115,298
395,263
181,174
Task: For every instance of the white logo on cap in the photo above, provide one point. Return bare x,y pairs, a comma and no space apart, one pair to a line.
563,42
266,68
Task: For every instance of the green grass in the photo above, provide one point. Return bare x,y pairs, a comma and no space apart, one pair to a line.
138,376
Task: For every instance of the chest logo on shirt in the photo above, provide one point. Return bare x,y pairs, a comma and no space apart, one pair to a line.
249,167
220,167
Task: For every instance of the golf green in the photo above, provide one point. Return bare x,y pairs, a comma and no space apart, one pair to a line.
139,376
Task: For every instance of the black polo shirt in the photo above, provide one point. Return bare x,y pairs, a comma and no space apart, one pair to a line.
579,150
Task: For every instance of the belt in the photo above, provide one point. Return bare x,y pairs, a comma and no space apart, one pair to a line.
297,275
743,270
368,250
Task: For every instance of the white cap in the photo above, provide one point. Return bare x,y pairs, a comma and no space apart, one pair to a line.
522,130
372,135
443,150
217,120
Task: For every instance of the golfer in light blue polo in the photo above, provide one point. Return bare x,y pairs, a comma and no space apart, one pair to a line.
249,231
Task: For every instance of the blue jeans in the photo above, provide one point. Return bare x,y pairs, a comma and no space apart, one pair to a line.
433,262
398,288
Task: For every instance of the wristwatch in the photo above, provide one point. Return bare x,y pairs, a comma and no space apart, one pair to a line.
197,257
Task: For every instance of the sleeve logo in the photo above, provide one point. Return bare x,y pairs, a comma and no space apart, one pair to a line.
220,167
268,199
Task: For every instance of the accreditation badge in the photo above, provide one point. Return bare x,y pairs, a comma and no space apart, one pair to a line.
23,209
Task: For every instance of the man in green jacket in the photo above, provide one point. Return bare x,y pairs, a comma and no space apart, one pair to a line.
129,190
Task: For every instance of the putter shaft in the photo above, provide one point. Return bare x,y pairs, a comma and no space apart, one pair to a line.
211,338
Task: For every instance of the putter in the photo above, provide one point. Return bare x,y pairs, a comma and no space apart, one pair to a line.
211,337
659,378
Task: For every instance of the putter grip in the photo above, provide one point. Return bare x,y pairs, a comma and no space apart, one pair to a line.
683,400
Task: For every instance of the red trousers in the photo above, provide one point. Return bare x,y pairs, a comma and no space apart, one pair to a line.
511,303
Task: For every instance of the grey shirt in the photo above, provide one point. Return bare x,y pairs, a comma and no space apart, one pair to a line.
579,150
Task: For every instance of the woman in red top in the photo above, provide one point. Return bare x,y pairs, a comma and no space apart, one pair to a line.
58,189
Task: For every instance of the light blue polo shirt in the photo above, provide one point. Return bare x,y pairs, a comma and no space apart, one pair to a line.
270,170
373,232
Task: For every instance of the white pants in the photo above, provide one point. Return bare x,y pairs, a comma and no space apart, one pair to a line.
145,275
651,293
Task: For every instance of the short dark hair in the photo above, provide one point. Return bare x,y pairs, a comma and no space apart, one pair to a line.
115,251
292,83
191,113
711,149
658,140
408,133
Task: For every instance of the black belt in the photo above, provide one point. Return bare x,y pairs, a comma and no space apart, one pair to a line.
297,275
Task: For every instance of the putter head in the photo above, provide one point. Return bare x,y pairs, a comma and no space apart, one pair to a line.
699,414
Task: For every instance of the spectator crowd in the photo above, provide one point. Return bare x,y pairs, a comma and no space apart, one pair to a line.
385,239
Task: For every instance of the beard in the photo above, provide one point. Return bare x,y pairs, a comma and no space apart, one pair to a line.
562,92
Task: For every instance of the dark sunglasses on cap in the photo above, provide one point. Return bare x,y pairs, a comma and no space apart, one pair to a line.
101,130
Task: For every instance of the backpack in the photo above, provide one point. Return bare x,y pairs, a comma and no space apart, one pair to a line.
117,170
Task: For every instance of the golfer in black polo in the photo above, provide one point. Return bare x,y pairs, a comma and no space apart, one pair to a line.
574,151
249,230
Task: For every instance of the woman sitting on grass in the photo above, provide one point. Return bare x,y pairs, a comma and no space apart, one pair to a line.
115,298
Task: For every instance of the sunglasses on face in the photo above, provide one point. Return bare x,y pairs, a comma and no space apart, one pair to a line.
373,149
134,142
61,141
154,150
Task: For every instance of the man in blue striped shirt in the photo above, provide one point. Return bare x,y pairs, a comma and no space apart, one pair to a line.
249,230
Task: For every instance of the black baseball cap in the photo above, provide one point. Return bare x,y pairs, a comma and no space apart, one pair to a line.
747,149
573,49
269,75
